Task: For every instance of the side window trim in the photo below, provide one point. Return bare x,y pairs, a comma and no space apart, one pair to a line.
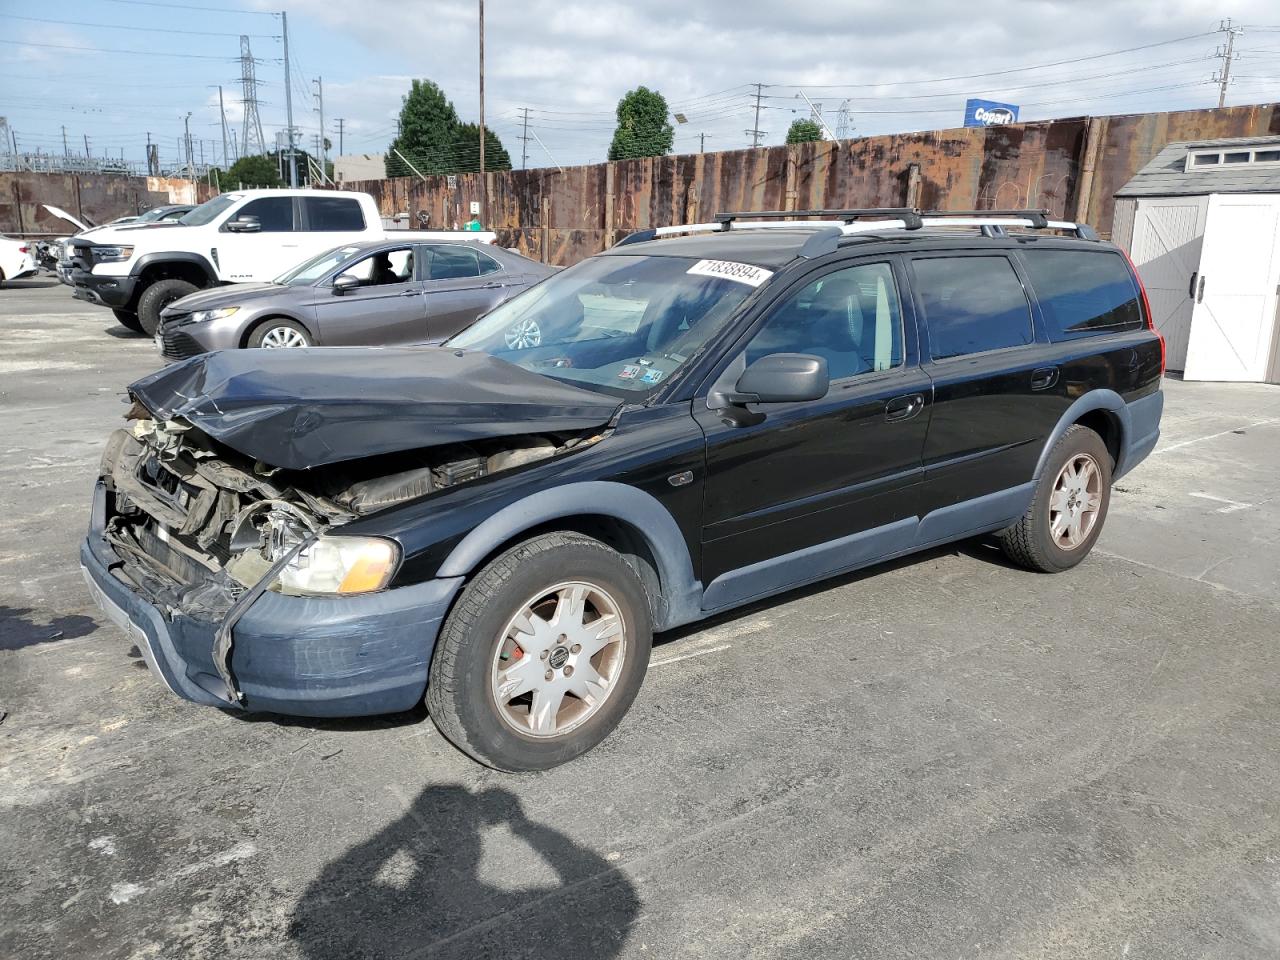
922,319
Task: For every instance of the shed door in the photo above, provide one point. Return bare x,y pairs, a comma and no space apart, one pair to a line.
1166,250
1234,323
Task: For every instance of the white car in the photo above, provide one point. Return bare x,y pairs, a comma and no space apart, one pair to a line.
16,259
239,237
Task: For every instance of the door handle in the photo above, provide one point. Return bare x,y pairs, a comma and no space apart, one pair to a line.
491,286
411,293
1200,291
903,408
1044,378
1191,288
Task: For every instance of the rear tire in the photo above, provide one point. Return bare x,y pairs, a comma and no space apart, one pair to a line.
576,614
1068,509
158,296
128,319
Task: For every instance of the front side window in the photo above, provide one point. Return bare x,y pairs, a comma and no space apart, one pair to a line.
274,214
331,214
620,324
1083,293
850,317
318,266
384,268
972,305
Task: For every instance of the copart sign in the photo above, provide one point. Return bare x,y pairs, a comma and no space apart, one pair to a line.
989,113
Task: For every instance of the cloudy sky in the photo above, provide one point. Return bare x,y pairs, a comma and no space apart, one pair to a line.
116,70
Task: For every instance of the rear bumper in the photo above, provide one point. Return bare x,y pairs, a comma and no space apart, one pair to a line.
1142,433
304,656
114,292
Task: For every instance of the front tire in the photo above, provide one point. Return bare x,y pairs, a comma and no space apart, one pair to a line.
1068,509
158,296
274,334
542,654
128,319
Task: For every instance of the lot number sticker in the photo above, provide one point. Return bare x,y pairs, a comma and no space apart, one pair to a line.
728,270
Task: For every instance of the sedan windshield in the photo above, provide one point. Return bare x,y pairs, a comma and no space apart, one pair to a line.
624,324
309,271
207,211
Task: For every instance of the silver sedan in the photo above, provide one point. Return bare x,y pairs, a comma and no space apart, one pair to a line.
380,292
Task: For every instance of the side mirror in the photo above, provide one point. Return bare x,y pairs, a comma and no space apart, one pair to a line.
344,283
244,225
781,378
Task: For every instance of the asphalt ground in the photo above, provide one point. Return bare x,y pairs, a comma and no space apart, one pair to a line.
944,757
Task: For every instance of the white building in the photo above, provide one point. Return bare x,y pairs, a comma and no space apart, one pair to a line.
359,166
1202,224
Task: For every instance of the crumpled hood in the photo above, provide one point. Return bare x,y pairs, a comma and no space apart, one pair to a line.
304,408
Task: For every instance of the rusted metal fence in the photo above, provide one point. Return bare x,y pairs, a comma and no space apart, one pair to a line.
89,197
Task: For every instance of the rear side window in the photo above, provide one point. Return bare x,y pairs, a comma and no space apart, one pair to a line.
275,214
457,262
972,305
1083,293
327,214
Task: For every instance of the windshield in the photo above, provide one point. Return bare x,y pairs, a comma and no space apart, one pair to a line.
209,210
151,216
312,270
622,323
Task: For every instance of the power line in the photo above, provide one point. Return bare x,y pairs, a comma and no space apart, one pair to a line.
122,26
184,6
141,53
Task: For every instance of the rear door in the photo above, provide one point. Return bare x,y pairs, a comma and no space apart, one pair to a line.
1234,321
387,307
792,494
998,389
462,283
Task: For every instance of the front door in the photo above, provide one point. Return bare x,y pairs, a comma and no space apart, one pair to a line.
1167,235
1234,321
811,488
386,308
266,253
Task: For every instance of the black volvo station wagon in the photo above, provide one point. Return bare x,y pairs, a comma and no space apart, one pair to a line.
700,417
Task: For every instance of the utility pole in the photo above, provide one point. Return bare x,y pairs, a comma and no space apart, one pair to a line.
524,140
86,148
186,136
223,111
482,184
1226,54
66,151
702,143
320,109
288,100
341,121
755,131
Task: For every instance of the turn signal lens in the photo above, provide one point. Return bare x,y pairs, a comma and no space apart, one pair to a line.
340,565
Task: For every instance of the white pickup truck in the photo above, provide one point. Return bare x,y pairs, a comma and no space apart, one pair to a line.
239,237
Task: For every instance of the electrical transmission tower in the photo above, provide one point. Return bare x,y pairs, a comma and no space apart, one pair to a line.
1226,54
251,133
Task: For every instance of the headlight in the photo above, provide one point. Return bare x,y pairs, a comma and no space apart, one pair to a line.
200,316
112,254
340,565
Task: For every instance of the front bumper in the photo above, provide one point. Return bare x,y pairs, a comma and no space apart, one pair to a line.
303,656
114,292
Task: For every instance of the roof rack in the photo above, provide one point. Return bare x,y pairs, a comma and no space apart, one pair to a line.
866,220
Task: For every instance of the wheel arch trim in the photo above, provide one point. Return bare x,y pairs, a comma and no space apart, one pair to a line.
149,260
1100,399
681,590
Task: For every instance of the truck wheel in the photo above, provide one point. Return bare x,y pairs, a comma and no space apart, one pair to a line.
280,333
158,296
542,654
1070,504
129,319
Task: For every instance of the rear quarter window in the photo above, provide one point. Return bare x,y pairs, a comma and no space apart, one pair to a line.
1083,293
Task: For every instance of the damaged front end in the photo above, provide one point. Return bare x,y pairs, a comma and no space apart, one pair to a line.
201,533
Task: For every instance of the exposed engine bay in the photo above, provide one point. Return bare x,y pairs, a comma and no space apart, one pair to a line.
197,523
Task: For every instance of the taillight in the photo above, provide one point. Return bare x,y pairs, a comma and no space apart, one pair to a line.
24,249
1146,308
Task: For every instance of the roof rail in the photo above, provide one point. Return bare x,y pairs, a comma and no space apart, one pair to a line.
909,215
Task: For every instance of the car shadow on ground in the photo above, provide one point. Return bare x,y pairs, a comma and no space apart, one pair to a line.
121,332
18,629
448,879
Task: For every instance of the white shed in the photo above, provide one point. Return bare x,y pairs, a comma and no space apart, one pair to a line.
1202,224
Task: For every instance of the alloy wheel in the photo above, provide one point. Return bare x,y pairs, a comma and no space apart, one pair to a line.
559,659
1075,502
278,337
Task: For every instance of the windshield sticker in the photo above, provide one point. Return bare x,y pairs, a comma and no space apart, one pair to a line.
653,375
728,270
629,372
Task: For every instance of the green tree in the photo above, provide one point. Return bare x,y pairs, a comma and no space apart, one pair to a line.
643,130
466,150
804,131
257,171
428,122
